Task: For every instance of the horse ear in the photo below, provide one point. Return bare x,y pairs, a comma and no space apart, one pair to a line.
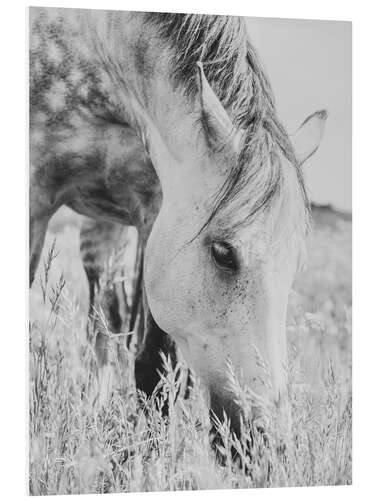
216,120
307,138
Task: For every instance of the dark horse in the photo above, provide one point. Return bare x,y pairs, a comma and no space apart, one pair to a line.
167,122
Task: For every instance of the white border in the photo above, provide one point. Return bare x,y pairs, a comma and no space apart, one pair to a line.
13,278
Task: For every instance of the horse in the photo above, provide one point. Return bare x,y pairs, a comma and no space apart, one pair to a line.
102,249
167,122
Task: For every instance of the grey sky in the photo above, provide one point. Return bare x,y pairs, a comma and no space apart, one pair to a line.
309,64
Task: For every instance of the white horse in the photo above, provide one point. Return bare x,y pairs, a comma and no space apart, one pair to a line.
167,122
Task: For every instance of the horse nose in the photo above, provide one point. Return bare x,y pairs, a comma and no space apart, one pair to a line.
255,410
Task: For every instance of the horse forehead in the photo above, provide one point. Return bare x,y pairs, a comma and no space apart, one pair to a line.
260,244
253,246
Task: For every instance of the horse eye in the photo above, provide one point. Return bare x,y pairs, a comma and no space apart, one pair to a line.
224,255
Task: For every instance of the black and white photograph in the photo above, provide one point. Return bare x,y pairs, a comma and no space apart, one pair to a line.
190,251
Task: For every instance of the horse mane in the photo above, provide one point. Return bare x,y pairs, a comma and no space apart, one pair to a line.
236,75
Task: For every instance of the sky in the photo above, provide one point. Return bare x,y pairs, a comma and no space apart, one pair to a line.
309,65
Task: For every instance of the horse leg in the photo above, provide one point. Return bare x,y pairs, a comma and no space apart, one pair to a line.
100,245
37,232
136,321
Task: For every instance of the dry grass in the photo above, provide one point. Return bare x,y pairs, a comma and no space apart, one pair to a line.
77,445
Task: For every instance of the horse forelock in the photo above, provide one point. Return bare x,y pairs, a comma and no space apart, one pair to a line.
259,177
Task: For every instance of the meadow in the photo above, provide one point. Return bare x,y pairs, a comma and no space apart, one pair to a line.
80,445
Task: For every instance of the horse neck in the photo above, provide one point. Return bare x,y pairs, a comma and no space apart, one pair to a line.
139,65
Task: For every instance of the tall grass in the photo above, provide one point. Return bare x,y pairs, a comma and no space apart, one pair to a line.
78,444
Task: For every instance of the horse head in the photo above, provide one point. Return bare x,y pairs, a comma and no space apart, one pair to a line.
224,250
